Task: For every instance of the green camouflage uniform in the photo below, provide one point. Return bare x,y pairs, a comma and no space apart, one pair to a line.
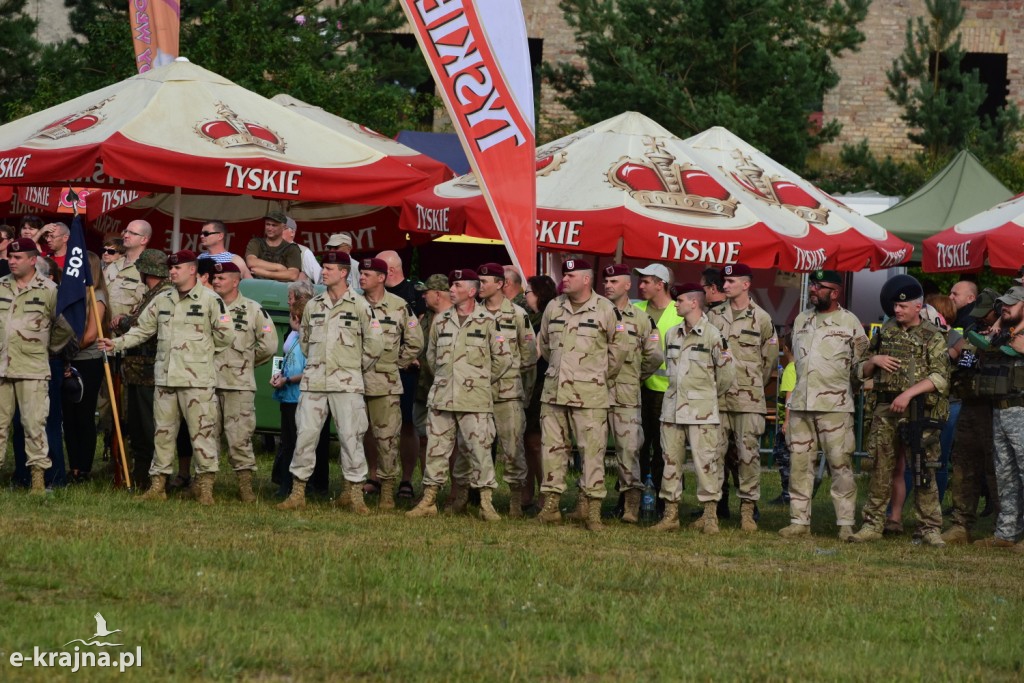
341,340
700,370
29,332
921,350
827,349
466,358
644,358
253,342
750,336
189,329
403,341
585,350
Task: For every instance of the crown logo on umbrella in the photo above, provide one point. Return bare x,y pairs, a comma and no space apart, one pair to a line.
230,131
75,123
656,181
778,191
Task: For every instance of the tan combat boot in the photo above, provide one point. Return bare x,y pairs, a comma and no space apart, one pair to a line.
38,482
794,530
631,507
426,506
157,490
460,501
933,538
710,518
204,488
866,534
357,503
387,494
957,535
594,515
550,514
580,513
845,532
747,522
245,492
993,542
297,499
515,502
670,522
487,511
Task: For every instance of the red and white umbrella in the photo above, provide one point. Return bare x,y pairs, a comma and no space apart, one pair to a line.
629,180
996,234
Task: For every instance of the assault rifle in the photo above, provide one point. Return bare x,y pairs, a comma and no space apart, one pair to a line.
913,432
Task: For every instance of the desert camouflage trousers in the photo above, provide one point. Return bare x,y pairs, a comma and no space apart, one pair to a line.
705,449
558,424
745,430
385,414
973,461
349,411
885,445
238,420
627,431
1008,430
199,408
474,433
32,396
510,425
832,433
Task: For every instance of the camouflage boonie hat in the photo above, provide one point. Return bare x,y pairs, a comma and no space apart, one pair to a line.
434,283
152,262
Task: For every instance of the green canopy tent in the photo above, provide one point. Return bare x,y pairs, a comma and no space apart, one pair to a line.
961,190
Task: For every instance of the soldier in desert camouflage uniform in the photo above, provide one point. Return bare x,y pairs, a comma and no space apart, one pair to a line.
581,340
750,335
127,288
513,324
466,354
341,339
828,345
190,323
907,358
642,360
29,331
700,371
253,343
403,341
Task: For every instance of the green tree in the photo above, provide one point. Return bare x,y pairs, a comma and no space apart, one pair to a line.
757,67
19,52
344,59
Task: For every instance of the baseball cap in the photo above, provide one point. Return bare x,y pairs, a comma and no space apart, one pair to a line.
1013,295
656,270
277,217
340,239
434,283
985,302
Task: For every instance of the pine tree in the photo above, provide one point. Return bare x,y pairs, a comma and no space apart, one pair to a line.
19,52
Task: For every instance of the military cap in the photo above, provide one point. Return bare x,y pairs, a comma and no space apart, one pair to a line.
899,288
615,270
434,283
338,257
22,245
829,276
737,270
152,262
277,217
985,302
340,239
377,264
1012,296
575,264
227,267
181,257
492,270
685,288
463,274
656,270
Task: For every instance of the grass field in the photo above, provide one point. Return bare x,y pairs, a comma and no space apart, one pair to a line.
248,593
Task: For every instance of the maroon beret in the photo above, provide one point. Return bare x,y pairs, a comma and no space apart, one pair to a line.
181,257
574,264
338,258
616,269
737,270
377,264
685,288
22,245
492,269
228,267
463,274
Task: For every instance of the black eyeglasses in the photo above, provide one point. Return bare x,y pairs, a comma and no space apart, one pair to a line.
818,285
109,251
129,232
207,234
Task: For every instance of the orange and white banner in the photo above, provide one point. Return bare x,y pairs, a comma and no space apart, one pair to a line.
478,53
155,26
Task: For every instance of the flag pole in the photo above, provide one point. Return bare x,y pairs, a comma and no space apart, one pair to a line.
110,391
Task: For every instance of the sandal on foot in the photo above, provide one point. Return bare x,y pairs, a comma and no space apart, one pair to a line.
892,528
371,487
406,491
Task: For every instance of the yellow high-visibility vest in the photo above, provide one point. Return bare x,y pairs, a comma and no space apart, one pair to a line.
669,319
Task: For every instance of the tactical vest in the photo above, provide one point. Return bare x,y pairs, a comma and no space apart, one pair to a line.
999,375
912,352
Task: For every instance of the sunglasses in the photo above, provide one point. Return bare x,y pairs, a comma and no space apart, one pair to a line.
207,234
109,251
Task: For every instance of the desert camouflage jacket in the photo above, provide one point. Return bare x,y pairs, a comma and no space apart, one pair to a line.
465,358
644,357
127,288
513,325
29,328
403,341
827,349
750,337
700,371
253,342
341,340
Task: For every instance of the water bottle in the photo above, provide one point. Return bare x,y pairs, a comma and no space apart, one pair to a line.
648,502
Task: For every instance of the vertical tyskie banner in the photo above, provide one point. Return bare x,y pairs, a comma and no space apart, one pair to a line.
480,58
155,26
